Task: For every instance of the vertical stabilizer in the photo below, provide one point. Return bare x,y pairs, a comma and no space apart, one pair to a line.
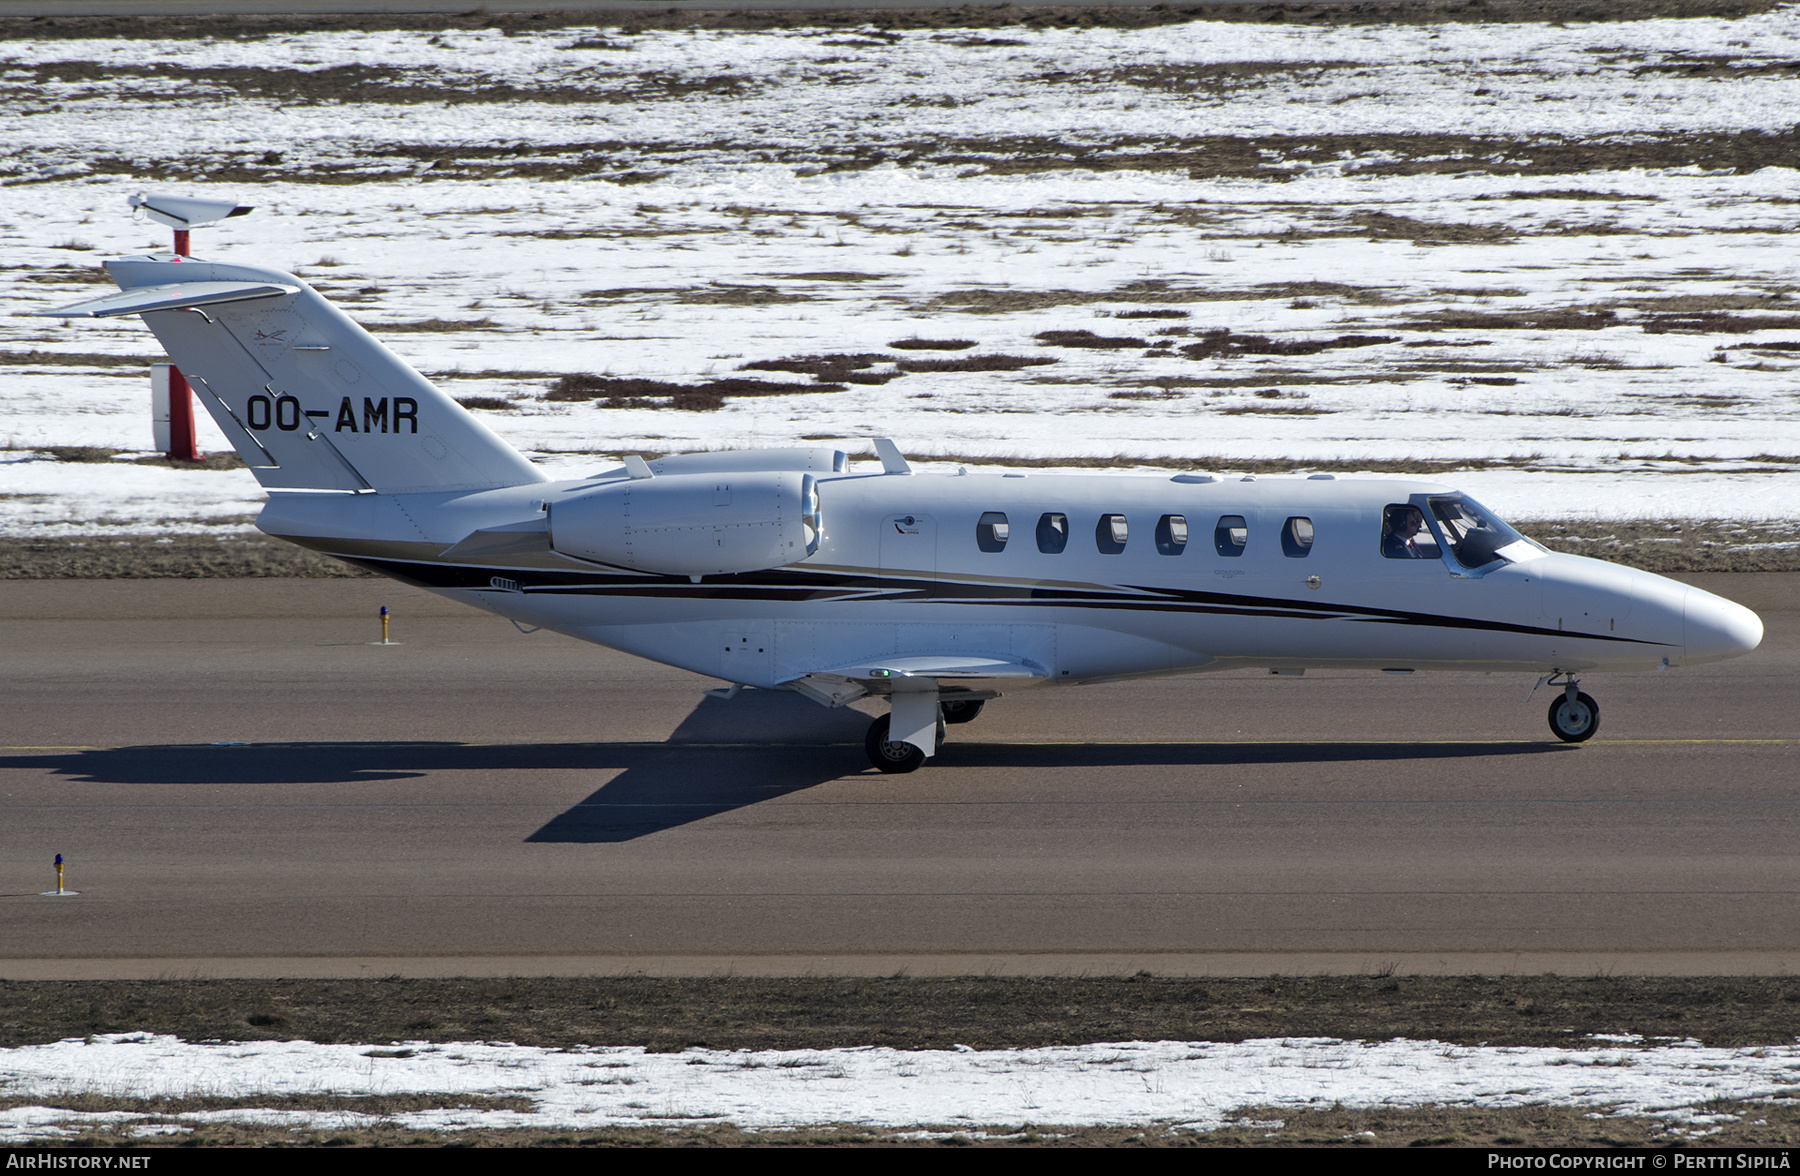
309,399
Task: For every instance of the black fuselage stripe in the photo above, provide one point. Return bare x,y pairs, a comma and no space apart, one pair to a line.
793,587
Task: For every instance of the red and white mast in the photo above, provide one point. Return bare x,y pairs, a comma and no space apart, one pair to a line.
171,400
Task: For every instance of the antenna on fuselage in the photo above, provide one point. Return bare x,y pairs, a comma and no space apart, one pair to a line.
889,453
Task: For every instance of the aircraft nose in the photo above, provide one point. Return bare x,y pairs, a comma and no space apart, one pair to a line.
1717,628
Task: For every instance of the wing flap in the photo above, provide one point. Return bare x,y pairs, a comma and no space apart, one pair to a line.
174,296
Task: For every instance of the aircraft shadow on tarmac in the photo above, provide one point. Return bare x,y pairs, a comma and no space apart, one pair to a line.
723,756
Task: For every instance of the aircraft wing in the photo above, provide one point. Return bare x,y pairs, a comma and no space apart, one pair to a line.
947,665
845,684
174,296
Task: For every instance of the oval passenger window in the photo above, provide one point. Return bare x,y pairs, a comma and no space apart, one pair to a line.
1231,535
1110,534
991,532
1297,538
1171,534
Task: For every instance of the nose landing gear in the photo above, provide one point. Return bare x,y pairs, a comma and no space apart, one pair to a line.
1574,716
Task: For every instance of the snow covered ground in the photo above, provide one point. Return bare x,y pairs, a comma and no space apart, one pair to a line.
1178,1085
1600,337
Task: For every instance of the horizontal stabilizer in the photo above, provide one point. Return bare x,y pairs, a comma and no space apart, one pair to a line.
949,665
177,296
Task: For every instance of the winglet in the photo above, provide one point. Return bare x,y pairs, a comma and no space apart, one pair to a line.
891,461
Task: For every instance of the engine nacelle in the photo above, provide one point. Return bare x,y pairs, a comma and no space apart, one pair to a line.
693,524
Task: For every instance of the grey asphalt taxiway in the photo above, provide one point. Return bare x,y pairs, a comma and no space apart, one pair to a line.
243,785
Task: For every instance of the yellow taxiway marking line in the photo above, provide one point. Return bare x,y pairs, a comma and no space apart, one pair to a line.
1289,742
1658,741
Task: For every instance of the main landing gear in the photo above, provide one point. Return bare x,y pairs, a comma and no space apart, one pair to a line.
1574,716
962,710
895,757
904,755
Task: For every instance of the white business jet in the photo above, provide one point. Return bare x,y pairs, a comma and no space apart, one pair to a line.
787,569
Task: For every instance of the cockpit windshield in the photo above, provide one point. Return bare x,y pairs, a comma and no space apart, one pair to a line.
1476,535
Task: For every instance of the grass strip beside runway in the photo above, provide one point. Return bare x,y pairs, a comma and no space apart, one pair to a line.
727,1012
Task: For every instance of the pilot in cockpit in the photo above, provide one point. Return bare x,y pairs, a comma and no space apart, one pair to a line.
1402,534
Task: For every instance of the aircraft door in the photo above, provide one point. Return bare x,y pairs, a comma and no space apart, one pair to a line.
909,547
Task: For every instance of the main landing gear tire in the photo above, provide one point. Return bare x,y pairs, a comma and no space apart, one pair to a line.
1574,719
964,711
892,757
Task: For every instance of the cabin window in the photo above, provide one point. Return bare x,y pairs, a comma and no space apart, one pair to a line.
1171,534
991,531
1231,535
1110,534
1297,538
1403,534
1052,533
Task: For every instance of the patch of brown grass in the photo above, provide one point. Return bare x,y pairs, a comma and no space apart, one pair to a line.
1719,323
1524,320
434,324
932,344
1222,342
993,1012
611,392
975,363
81,453
1087,340
833,368
179,557
840,276
28,359
740,296
1387,226
872,28
1677,545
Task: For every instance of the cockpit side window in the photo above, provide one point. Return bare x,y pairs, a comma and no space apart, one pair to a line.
1403,534
1475,536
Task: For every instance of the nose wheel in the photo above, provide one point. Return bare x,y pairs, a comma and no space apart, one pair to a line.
1574,716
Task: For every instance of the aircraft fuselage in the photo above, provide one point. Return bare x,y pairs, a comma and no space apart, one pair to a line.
906,564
